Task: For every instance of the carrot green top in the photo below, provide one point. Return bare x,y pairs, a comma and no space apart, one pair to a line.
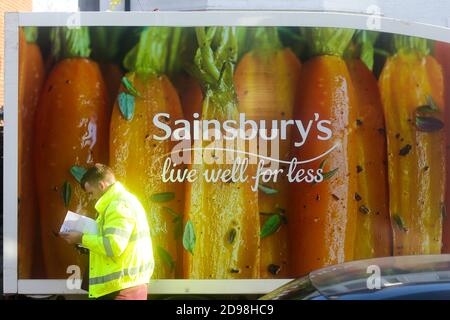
266,40
31,34
242,41
328,41
214,63
262,41
70,42
362,47
175,50
106,43
215,57
408,44
156,51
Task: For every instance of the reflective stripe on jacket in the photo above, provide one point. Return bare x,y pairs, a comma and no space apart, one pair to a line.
121,255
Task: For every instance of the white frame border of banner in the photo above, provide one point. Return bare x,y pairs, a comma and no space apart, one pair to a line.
11,283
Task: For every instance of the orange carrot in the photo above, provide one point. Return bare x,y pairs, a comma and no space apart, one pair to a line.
411,87
266,80
137,157
373,228
71,130
322,222
31,78
221,234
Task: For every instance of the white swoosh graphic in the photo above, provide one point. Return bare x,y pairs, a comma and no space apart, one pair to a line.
258,155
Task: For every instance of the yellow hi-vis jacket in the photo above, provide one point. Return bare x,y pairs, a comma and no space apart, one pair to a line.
121,255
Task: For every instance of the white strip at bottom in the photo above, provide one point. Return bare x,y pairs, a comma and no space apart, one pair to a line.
250,286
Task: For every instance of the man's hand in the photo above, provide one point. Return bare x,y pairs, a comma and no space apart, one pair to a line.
71,237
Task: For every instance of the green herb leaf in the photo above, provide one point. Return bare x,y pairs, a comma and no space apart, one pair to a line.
66,193
166,257
177,220
431,106
271,225
189,237
266,189
171,211
322,164
126,105
399,221
428,124
162,197
132,90
231,236
425,108
78,172
329,174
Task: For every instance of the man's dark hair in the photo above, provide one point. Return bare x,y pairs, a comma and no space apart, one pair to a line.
98,172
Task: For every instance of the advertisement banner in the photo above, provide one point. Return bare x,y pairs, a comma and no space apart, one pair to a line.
257,152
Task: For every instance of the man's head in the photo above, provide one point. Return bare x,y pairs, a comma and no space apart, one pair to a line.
97,180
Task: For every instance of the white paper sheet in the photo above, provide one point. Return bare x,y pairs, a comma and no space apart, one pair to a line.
80,223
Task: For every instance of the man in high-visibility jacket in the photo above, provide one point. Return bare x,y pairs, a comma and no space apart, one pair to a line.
121,256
